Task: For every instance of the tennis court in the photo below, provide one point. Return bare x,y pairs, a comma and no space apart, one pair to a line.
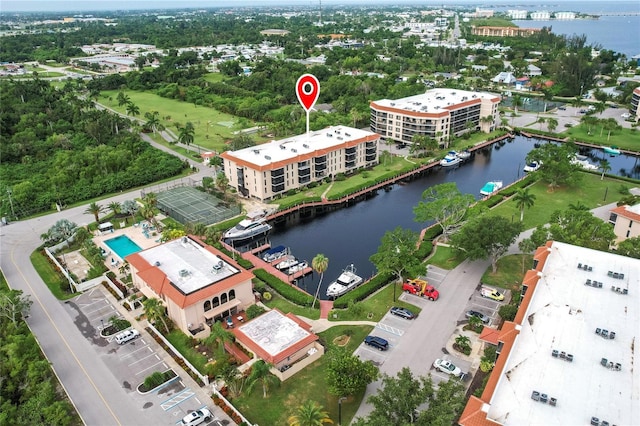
186,204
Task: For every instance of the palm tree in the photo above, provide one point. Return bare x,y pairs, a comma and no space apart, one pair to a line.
150,199
186,134
130,207
517,101
552,124
133,109
123,99
155,311
310,413
260,373
199,229
524,198
115,207
320,263
541,120
95,209
153,121
605,166
218,337
487,120
599,108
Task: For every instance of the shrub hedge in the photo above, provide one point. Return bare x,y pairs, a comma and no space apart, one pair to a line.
285,290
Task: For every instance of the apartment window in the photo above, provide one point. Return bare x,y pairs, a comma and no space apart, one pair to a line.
630,223
223,298
207,306
628,232
232,294
216,301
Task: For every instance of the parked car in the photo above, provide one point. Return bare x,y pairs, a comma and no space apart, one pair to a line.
471,313
447,367
402,312
127,336
377,342
562,108
492,293
625,115
196,417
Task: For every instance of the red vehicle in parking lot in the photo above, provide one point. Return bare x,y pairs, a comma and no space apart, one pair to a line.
421,288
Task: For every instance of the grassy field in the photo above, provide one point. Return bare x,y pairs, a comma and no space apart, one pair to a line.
625,138
590,192
445,258
510,272
278,302
309,384
212,128
50,276
374,307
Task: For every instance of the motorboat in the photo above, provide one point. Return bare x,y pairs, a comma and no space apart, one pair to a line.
253,225
287,262
612,150
451,159
301,266
492,187
582,161
348,280
532,166
275,253
464,155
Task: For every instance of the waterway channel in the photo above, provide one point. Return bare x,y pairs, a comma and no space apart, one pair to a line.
352,234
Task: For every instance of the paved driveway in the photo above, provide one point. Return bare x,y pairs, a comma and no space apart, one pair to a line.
424,340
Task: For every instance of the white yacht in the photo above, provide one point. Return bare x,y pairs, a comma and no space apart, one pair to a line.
253,225
347,281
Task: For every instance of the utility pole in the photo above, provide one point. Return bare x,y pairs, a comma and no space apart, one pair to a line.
11,203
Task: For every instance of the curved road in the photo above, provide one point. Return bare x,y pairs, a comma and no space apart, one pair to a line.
92,388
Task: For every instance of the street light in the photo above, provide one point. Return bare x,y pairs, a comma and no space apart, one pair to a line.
102,322
342,398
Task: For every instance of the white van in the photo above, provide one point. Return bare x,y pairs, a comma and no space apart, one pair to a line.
127,336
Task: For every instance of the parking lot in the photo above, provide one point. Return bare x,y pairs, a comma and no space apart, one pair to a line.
133,361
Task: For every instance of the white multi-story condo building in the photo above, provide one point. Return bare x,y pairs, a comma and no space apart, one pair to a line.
541,15
271,169
438,113
517,14
564,16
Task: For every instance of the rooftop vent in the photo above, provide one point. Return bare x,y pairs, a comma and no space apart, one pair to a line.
294,150
267,157
339,138
184,240
256,151
217,266
329,135
304,145
347,134
157,263
183,273
283,147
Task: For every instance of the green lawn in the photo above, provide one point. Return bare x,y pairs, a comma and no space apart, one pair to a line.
625,138
510,271
282,304
309,384
50,276
374,307
214,77
445,258
182,343
212,128
590,192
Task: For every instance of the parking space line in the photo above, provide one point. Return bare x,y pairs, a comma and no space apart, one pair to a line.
177,399
85,305
99,310
148,368
144,358
134,352
390,329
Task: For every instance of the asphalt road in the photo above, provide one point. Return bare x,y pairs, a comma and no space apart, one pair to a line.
92,387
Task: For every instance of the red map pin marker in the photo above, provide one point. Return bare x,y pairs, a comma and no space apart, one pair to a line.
307,89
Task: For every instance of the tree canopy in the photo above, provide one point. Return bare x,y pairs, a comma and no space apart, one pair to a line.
397,254
487,237
556,167
348,374
445,205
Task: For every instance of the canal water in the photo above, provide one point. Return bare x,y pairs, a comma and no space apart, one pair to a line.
352,234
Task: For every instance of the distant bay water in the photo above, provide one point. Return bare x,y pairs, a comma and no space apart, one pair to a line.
618,33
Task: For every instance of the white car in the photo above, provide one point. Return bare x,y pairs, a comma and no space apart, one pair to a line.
625,115
447,367
196,417
127,336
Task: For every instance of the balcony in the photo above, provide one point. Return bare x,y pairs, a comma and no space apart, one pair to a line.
277,180
370,157
277,188
277,173
349,164
304,179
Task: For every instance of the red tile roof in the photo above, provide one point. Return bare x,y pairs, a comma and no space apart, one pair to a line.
622,211
489,335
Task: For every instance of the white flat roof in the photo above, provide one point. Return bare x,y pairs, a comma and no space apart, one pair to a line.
435,100
290,148
563,315
274,332
187,265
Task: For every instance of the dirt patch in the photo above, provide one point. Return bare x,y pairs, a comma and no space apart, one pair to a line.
341,340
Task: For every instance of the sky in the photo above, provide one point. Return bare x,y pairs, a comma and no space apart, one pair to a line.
101,5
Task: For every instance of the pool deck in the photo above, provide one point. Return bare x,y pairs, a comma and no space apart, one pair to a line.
135,233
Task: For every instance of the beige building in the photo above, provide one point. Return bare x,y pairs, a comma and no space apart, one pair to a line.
197,283
504,31
271,169
438,113
635,103
626,222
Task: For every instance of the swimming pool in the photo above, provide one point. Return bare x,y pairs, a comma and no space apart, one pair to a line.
123,246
